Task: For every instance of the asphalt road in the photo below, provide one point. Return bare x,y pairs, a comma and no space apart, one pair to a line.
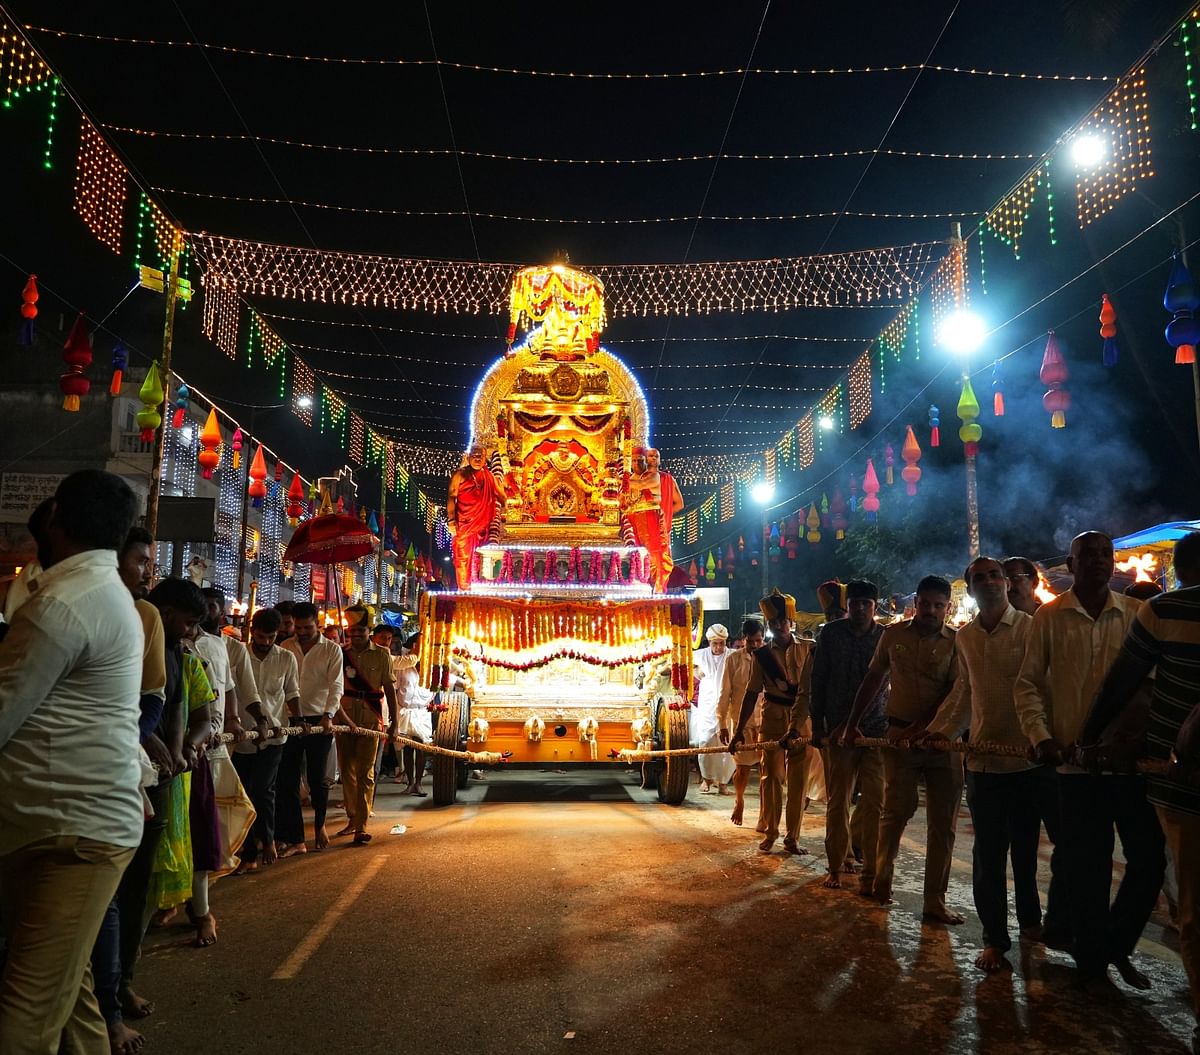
575,913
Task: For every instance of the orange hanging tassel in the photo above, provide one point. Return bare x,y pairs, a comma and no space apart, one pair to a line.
1185,353
998,404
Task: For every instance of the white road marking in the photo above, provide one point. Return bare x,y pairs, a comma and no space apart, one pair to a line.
313,939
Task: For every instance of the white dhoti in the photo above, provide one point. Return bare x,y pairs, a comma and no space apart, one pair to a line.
719,766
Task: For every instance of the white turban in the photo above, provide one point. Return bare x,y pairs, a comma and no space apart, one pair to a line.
717,631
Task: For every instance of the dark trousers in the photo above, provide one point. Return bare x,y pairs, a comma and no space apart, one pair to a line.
133,919
1006,812
310,752
1092,806
259,772
1056,923
106,965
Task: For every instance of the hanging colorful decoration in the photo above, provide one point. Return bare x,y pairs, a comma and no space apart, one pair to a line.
997,391
970,431
77,354
871,491
1007,220
1054,374
209,456
935,434
279,476
852,501
911,453
29,299
730,563
791,536
236,444
120,363
837,515
183,396
889,464
295,500
151,394
100,187
710,568
1108,330
1182,300
813,523
258,478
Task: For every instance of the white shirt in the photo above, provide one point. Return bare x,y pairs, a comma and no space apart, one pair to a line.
277,680
240,671
984,696
70,682
320,676
1066,658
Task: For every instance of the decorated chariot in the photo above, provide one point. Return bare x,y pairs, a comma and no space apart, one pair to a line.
563,642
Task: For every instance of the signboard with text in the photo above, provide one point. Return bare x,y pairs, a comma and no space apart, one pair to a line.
22,493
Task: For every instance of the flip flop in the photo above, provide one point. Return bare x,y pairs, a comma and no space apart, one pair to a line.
361,838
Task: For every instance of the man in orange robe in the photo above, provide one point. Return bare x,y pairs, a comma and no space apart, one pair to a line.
470,508
652,501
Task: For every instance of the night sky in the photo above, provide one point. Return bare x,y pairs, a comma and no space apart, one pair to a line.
1130,453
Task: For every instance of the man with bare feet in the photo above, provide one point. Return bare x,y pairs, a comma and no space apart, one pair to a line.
1003,793
734,679
320,664
918,658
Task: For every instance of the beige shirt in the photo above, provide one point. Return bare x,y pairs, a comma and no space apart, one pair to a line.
921,670
276,680
983,693
796,661
1066,658
734,678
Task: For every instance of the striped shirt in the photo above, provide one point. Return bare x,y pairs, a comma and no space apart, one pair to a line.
1167,634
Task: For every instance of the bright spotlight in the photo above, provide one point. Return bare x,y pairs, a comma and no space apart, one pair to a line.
961,333
1089,149
304,402
825,421
762,492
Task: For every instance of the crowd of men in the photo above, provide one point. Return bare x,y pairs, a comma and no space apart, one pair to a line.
1054,703
120,800
102,835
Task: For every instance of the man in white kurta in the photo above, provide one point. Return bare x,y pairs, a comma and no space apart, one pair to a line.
717,768
734,679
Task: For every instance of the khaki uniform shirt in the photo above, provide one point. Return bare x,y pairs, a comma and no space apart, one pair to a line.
795,660
922,670
374,665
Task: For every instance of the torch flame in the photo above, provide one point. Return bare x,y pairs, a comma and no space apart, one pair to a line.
1042,591
1144,566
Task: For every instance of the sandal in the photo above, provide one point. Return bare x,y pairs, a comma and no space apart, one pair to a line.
361,838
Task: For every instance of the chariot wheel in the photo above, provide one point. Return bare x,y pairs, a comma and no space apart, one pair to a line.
449,774
671,730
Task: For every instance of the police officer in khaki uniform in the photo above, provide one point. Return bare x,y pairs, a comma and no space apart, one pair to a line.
918,657
782,671
368,680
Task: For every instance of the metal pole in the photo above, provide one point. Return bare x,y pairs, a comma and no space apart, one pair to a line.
172,292
960,299
383,486
765,587
245,510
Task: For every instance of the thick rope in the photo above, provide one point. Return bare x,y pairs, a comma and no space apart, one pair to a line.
1154,766
480,758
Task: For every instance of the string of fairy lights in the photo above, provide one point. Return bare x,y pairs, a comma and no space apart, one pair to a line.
486,155
881,277
866,277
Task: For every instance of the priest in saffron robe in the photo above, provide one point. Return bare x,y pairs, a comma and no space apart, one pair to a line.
470,509
653,498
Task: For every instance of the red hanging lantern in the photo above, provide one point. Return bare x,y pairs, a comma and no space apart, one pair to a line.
279,471
730,562
257,489
1108,330
209,457
791,536
183,396
29,299
77,354
1054,374
236,444
870,503
295,500
911,453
